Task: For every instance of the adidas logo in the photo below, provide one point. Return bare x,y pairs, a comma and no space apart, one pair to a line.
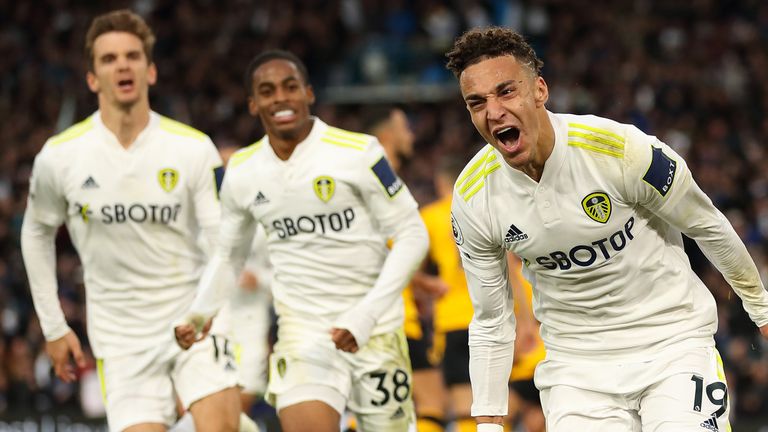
260,199
89,183
398,414
710,424
515,235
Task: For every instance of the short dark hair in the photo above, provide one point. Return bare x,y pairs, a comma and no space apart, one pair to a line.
490,42
374,117
122,20
273,55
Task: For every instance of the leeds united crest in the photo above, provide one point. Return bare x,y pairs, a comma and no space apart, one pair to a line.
324,187
597,205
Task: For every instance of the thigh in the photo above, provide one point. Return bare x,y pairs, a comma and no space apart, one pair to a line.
208,367
312,415
382,384
569,409
306,373
693,401
137,391
219,411
250,338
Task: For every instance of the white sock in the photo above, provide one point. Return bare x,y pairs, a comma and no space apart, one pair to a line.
247,424
185,424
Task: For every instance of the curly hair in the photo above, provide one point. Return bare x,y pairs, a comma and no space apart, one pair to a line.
485,43
122,20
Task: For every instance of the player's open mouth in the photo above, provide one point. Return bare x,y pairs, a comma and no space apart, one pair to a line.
508,137
284,116
125,84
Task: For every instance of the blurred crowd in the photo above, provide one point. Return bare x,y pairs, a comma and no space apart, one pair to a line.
691,72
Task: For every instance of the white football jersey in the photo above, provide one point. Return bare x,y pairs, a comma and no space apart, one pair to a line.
600,239
134,215
327,211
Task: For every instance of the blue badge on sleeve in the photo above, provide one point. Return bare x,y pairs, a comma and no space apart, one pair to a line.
661,173
218,175
392,184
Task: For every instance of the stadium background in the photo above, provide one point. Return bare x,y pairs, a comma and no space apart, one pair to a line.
692,72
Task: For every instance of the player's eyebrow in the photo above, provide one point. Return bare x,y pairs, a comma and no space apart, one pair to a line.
499,86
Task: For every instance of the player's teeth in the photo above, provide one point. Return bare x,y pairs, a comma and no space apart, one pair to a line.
503,130
284,113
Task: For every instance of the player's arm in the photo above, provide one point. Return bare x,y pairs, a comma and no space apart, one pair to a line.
219,277
45,212
206,185
667,188
393,207
492,329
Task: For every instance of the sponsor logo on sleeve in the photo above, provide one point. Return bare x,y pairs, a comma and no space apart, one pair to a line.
661,172
392,184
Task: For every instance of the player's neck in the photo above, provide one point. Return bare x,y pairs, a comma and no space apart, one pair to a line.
284,144
544,146
125,122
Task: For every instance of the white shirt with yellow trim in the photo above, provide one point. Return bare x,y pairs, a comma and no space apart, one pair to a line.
327,211
134,215
600,237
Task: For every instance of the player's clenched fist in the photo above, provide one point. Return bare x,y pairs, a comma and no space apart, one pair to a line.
195,329
344,340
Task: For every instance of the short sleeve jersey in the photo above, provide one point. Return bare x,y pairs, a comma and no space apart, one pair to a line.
611,277
134,215
327,212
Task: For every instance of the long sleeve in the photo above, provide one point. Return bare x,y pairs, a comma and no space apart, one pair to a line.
231,249
492,329
45,212
39,252
395,210
669,190
410,244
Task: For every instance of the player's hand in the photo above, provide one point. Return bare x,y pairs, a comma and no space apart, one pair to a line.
191,332
248,281
428,284
60,350
764,331
527,336
344,340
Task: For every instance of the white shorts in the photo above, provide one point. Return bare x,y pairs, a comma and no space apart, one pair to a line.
685,393
250,333
374,383
139,388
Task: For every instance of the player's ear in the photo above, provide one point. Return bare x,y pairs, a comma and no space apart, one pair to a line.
310,94
541,94
151,74
253,109
92,81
